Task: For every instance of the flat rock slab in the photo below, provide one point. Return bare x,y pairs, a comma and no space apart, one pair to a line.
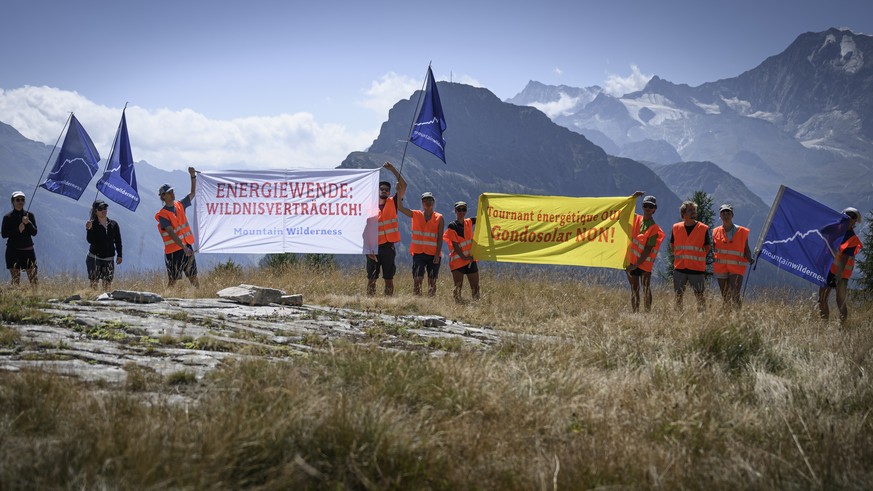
253,295
105,340
136,297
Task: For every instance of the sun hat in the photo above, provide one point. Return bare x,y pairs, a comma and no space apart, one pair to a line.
853,211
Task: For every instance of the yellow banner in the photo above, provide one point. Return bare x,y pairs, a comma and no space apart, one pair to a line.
519,228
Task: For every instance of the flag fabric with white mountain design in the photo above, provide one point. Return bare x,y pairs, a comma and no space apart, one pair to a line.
803,236
76,164
119,180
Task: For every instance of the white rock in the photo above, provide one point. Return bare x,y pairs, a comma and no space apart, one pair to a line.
252,295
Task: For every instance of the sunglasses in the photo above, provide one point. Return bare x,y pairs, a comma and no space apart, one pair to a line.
103,208
460,209
19,200
648,206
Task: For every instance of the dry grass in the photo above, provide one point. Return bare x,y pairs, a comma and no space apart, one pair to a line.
584,395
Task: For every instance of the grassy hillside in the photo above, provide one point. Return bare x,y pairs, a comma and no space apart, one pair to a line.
582,394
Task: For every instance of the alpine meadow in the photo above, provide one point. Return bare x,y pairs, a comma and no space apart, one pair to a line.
578,393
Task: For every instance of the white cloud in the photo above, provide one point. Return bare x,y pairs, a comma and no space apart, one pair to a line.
618,86
171,139
385,92
558,71
562,107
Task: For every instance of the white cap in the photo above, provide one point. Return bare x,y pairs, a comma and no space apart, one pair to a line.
853,211
17,194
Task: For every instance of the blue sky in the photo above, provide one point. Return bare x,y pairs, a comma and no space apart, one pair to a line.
266,84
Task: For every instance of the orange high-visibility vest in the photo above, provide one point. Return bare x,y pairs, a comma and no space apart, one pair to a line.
180,226
388,230
730,255
424,234
688,250
855,242
639,241
465,243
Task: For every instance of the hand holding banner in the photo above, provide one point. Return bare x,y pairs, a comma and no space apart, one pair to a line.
554,230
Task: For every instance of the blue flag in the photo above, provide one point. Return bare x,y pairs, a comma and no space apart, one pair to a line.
428,130
803,236
119,179
76,164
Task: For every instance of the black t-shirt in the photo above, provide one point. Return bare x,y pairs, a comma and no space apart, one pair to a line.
849,251
382,205
15,238
458,227
105,241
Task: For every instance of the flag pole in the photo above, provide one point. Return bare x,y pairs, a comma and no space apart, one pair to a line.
111,152
412,124
766,228
47,162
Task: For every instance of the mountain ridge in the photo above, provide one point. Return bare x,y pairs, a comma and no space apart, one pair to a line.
799,115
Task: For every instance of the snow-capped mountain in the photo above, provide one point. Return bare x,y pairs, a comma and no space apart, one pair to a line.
555,100
803,118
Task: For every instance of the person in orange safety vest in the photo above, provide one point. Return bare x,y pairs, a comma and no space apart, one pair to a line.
427,243
177,234
646,238
690,243
841,270
389,234
730,244
459,238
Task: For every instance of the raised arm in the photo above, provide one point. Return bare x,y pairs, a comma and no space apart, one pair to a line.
193,174
401,182
403,209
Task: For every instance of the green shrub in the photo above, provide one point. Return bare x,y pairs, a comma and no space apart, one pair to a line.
278,262
228,269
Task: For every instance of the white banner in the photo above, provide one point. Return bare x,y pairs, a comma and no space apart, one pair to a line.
327,211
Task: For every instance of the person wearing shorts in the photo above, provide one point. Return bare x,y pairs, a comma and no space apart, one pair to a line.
459,239
426,244
690,243
646,238
730,244
383,260
841,270
177,234
19,228
104,252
